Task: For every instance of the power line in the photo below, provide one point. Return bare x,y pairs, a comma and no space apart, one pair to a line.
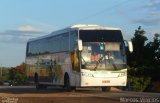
104,10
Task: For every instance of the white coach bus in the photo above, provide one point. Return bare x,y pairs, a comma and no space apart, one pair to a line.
78,56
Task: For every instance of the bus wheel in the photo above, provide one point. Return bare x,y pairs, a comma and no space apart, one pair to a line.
67,83
106,89
40,86
37,86
36,81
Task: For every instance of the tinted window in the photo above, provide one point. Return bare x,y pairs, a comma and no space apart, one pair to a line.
101,35
52,44
73,40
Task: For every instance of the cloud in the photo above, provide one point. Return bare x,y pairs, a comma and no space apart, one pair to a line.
48,27
152,19
20,35
153,5
5,37
28,28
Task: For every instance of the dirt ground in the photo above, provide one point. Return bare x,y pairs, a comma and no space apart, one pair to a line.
28,94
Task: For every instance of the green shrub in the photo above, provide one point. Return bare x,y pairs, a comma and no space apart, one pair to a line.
139,83
1,82
17,77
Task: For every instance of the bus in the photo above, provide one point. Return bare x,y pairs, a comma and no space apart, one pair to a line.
83,55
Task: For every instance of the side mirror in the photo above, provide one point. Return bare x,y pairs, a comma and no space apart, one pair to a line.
80,47
130,46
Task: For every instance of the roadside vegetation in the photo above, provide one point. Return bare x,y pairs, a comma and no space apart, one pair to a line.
144,62
14,75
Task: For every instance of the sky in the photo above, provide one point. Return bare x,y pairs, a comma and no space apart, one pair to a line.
21,20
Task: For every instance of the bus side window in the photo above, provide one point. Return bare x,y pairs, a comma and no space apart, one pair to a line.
74,51
75,61
73,40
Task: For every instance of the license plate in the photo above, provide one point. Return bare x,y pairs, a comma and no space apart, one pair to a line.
105,81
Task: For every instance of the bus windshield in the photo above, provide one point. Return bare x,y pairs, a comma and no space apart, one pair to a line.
104,53
96,55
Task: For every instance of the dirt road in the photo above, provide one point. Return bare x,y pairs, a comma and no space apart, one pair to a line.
28,94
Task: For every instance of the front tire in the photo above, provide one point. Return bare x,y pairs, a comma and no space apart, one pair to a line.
106,89
40,86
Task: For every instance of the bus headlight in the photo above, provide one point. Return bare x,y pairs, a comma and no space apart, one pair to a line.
87,74
122,74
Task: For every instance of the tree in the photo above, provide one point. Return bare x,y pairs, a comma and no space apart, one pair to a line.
136,58
17,75
21,67
152,57
136,61
144,61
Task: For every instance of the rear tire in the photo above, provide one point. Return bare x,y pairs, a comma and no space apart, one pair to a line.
36,81
106,89
67,83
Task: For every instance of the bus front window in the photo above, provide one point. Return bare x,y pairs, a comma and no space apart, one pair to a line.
103,55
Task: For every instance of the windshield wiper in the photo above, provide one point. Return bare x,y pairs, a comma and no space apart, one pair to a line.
110,60
98,62
113,64
83,60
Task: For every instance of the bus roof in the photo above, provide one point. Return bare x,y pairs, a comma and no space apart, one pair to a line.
75,27
92,27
